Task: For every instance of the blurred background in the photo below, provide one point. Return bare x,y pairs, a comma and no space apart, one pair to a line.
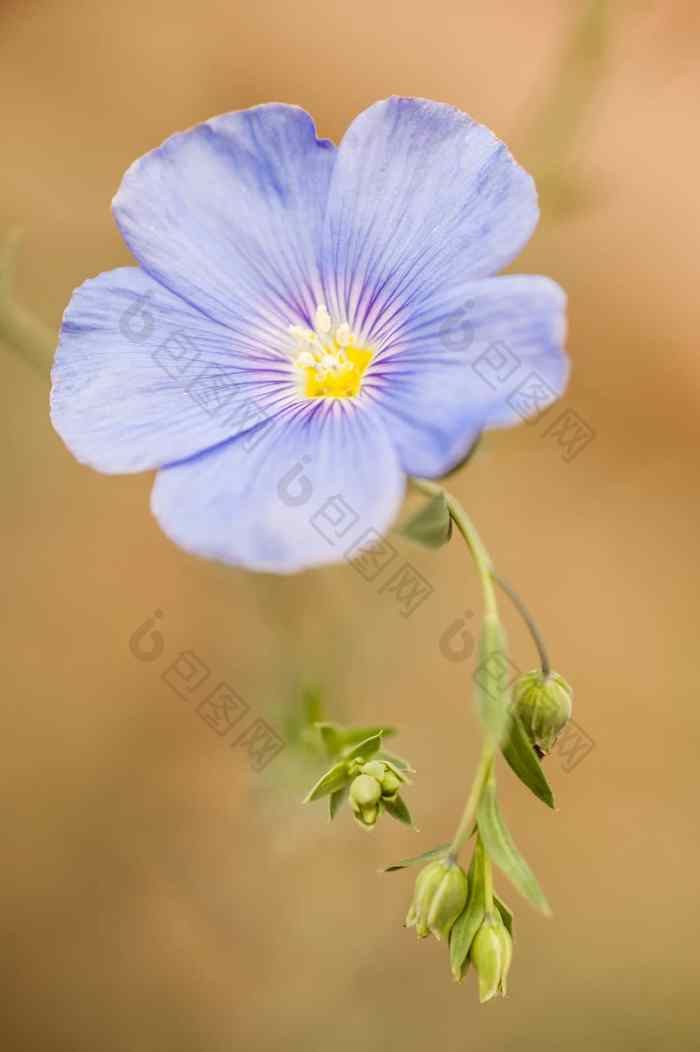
156,891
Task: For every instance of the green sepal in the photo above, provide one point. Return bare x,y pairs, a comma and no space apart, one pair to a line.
500,847
431,526
491,689
523,760
506,914
398,810
398,771
398,765
427,856
335,737
336,778
336,801
365,748
469,921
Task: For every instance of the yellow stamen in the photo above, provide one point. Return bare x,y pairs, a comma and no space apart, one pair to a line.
329,362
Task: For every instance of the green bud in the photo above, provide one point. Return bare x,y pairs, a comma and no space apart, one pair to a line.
365,795
390,786
543,705
491,953
364,791
439,897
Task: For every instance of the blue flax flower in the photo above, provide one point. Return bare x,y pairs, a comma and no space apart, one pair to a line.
311,313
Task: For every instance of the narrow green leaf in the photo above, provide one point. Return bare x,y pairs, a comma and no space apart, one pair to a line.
335,737
336,801
523,760
336,778
432,525
492,679
398,810
469,921
506,914
365,748
500,846
427,856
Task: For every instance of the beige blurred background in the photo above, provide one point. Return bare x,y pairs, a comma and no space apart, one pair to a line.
155,892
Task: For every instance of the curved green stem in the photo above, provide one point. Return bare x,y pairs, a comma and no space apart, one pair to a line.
529,621
487,576
466,824
484,568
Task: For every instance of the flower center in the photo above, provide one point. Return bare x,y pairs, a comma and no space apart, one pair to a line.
329,363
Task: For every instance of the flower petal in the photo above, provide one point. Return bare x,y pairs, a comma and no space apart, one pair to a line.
421,196
229,215
488,354
299,494
142,379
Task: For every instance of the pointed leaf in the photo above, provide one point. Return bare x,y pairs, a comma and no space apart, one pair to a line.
492,679
523,760
427,856
335,778
352,735
336,801
469,921
501,848
365,748
506,915
335,737
432,525
398,810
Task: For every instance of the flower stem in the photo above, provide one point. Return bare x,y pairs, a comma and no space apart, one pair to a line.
484,568
528,619
483,771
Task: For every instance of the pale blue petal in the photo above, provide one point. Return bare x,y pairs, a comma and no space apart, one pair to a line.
298,493
141,379
229,215
421,197
468,361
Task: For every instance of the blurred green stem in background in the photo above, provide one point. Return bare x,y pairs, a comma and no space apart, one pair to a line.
555,128
19,329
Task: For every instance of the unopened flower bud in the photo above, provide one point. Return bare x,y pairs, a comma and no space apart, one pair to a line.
439,897
390,786
365,794
491,953
543,703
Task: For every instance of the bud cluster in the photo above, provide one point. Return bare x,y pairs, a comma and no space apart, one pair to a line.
375,783
368,778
